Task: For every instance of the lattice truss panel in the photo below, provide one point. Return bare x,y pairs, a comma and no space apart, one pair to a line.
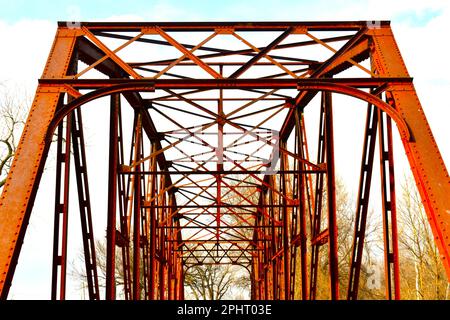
213,166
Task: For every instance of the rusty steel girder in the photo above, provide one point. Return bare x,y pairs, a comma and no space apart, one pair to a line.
218,168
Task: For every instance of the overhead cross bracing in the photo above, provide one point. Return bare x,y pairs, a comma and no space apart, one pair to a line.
215,166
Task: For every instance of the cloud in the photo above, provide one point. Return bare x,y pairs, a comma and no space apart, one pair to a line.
25,47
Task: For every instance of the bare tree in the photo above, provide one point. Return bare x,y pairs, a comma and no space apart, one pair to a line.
345,213
345,217
213,282
423,275
78,273
13,107
205,282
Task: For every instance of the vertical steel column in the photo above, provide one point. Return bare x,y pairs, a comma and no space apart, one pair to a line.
257,277
296,197
84,201
181,296
362,204
331,201
157,260
303,238
301,190
259,244
129,193
162,240
124,234
158,242
59,264
177,273
144,239
294,229
266,245
169,248
112,198
219,155
254,273
392,274
174,252
153,222
137,214
284,165
253,280
308,179
266,252
144,225
279,238
273,240
261,266
61,221
317,215
180,272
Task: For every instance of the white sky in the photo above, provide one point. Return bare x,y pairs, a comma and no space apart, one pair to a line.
421,29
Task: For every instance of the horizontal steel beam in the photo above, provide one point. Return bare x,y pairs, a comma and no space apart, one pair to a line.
218,227
223,173
222,213
228,205
218,258
237,26
153,84
215,249
221,241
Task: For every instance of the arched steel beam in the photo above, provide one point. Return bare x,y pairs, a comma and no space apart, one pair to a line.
312,86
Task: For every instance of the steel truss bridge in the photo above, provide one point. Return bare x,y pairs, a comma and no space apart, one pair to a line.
213,166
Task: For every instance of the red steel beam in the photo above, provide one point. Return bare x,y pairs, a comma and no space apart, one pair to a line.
112,195
237,26
425,160
137,215
19,193
362,204
331,199
226,83
87,232
390,234
59,264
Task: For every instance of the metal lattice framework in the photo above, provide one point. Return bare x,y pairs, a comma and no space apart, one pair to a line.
216,168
